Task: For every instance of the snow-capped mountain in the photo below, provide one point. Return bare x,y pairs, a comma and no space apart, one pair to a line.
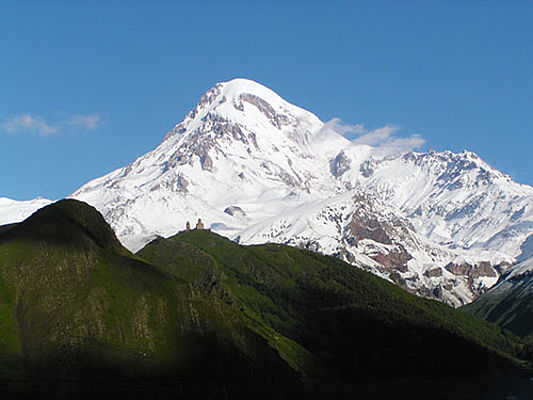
453,199
12,211
256,168
242,155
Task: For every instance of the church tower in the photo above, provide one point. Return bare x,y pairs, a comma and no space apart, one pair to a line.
200,224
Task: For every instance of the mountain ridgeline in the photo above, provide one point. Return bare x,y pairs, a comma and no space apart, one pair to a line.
259,169
199,316
509,304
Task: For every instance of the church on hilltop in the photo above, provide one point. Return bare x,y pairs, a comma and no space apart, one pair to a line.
199,226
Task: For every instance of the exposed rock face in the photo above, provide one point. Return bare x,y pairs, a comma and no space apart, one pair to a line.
277,120
365,224
433,273
207,163
182,183
235,211
396,259
340,164
510,302
474,271
362,228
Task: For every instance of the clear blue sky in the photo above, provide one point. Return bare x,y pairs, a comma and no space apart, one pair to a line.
85,87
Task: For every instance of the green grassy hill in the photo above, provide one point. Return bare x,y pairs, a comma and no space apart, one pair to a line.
361,326
75,306
198,316
509,304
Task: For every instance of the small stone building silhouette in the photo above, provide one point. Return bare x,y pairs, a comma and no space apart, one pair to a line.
200,224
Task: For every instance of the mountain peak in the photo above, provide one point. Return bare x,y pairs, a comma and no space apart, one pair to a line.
235,89
238,86
241,98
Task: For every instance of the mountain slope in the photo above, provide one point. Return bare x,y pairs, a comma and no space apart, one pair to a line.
257,168
509,303
360,229
12,211
82,317
360,326
241,144
75,306
456,200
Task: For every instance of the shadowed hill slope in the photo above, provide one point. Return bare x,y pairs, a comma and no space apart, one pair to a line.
77,307
359,326
198,316
509,304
